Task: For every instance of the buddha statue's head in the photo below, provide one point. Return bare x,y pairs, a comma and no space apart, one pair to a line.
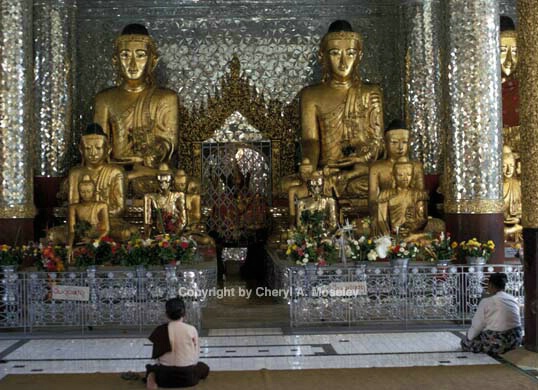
94,146
508,46
164,177
135,55
340,52
305,169
193,187
180,180
509,162
403,173
86,189
397,140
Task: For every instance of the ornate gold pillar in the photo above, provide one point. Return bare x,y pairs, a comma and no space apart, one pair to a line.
16,196
528,91
54,43
473,169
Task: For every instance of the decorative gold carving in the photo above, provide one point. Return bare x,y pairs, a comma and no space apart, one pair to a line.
277,122
528,75
18,211
483,206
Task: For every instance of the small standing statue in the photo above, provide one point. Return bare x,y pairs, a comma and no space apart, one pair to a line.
511,197
317,201
300,189
407,207
89,212
164,211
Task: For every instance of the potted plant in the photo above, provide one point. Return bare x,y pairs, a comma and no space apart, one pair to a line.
401,252
441,249
10,257
476,252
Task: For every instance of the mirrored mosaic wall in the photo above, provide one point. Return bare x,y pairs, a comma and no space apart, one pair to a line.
276,42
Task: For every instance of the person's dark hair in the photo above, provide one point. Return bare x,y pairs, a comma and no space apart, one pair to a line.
396,124
134,29
175,308
498,280
506,23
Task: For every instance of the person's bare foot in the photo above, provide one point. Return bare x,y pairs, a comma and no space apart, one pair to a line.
150,382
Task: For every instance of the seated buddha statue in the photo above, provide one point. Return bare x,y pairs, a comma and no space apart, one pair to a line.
512,197
317,201
381,174
407,208
342,117
164,211
140,118
87,211
109,180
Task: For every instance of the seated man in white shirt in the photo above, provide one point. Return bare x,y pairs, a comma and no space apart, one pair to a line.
176,348
496,326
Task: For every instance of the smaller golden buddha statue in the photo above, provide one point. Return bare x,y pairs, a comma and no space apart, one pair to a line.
512,197
317,201
407,209
195,226
87,211
300,189
140,118
164,211
381,175
109,181
342,117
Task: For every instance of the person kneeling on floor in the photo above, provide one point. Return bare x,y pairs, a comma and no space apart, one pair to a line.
176,348
496,325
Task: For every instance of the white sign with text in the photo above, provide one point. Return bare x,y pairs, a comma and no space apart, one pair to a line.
71,293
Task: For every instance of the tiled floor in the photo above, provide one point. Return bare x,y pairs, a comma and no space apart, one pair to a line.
243,349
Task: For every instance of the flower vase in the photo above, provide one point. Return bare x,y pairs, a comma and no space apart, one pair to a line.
140,271
170,270
443,262
475,260
9,278
399,262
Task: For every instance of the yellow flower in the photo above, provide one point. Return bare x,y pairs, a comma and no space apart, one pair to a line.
5,248
288,252
294,246
454,245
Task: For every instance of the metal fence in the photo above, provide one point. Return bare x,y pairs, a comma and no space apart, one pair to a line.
125,298
378,292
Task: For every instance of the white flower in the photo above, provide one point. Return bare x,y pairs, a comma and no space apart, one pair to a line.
298,262
442,236
382,245
147,242
305,260
372,255
402,249
406,253
96,244
290,242
361,240
306,256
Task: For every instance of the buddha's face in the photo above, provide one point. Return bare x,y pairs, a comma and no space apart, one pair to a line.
86,191
403,175
305,171
181,183
165,182
509,165
342,56
508,54
133,58
94,149
397,143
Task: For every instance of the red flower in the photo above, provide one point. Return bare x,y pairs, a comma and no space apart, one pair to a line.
322,262
184,245
166,244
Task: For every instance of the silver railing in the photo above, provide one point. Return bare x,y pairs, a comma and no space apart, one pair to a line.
124,298
377,292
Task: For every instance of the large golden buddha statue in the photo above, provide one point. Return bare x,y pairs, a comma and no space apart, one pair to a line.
140,118
381,175
109,180
512,197
342,117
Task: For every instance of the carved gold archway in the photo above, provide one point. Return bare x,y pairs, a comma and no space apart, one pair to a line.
277,121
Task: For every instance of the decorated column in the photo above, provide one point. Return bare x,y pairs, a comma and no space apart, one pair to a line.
16,175
473,169
53,24
420,19
528,92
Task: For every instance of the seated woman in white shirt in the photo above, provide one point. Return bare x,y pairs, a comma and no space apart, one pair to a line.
176,348
496,326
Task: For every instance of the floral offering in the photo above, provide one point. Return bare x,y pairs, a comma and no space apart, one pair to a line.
362,249
96,252
10,256
475,248
304,249
403,250
53,258
441,248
